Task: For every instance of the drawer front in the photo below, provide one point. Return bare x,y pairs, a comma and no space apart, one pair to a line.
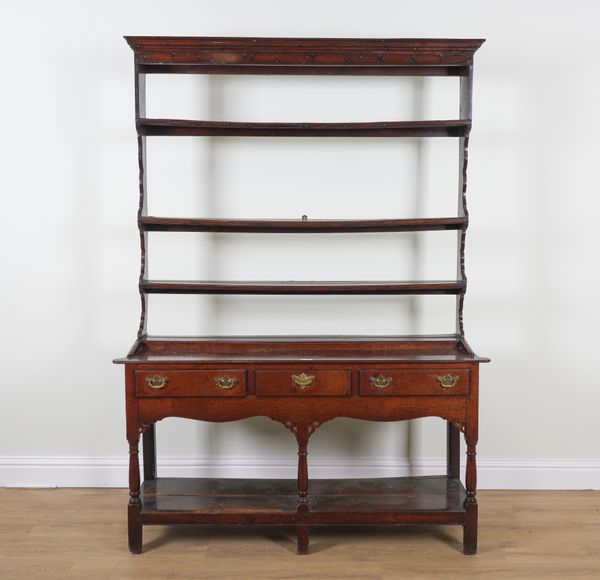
211,383
303,382
398,382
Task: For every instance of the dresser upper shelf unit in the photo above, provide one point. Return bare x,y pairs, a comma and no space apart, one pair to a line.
309,56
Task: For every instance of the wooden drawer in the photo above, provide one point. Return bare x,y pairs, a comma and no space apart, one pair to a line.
303,382
398,382
211,383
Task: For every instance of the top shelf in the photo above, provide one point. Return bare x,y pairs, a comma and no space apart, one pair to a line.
331,56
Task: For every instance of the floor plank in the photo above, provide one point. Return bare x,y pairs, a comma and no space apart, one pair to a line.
81,533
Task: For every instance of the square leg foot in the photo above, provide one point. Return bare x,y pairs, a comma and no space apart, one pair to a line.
303,539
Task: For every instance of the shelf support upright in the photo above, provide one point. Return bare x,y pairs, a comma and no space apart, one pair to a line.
149,436
140,113
465,111
471,426
465,107
466,91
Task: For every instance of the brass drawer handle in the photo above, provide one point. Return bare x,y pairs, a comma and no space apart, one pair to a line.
157,383
303,380
448,381
381,382
226,382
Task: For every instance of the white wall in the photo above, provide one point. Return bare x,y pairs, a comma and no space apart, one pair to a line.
69,246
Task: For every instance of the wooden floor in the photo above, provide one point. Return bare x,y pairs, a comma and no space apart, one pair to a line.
80,533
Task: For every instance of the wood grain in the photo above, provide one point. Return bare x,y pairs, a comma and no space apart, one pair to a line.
78,533
304,55
165,224
185,127
304,287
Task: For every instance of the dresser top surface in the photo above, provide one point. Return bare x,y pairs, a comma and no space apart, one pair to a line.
350,349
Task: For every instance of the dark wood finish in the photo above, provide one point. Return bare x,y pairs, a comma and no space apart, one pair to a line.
134,506
250,69
324,382
466,90
397,500
353,55
158,224
302,382
302,430
318,409
284,287
471,430
149,450
140,111
193,383
358,349
181,127
452,451
412,382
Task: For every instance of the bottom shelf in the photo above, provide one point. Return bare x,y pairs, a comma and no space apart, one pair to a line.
398,500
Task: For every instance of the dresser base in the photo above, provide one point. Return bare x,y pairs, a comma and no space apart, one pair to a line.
302,382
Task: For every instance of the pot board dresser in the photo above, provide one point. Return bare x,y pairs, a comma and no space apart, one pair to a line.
303,381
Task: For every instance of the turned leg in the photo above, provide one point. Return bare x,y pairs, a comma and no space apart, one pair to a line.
149,445
302,435
452,451
302,432
134,525
470,527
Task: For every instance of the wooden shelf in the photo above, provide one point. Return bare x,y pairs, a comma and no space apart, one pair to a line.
163,224
288,287
185,127
332,501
